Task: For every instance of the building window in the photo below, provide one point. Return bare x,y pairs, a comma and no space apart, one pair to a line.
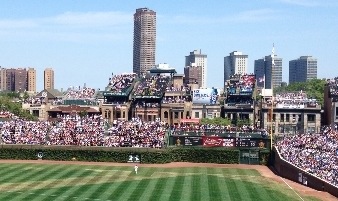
197,115
282,117
166,115
176,115
287,117
188,115
311,117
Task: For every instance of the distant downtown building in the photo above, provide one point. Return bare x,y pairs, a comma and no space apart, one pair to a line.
195,59
19,79
193,74
48,78
144,40
270,70
235,63
302,69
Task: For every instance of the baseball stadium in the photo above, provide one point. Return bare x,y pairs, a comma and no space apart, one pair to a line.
187,143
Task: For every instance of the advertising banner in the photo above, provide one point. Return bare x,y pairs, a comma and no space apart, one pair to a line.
205,96
214,141
187,140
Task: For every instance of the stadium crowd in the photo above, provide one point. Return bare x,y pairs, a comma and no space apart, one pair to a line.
152,86
241,83
294,99
120,83
80,93
313,153
83,131
333,85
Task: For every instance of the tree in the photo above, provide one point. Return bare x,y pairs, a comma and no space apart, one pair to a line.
7,103
83,113
216,121
314,88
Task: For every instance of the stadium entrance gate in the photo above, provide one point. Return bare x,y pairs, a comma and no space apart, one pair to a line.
249,156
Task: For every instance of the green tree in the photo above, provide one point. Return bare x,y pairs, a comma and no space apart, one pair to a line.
314,89
83,113
216,121
8,103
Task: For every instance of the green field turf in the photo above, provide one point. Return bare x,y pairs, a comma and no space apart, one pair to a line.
36,182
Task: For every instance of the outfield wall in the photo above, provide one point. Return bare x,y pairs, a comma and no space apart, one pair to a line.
290,171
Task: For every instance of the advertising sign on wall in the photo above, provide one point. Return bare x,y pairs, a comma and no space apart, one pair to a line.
187,140
205,96
214,141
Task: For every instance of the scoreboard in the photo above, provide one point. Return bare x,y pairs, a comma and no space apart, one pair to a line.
217,141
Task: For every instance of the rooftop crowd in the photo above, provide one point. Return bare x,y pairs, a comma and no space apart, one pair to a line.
241,83
83,131
80,93
295,98
120,83
152,86
313,153
333,85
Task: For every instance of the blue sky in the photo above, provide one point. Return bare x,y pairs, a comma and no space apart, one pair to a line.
85,41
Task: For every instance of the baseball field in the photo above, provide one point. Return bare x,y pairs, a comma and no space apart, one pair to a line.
50,180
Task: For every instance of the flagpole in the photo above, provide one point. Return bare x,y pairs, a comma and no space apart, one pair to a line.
272,99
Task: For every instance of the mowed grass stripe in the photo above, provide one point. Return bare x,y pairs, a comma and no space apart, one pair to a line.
50,188
160,184
234,194
255,191
195,186
204,184
25,186
168,188
85,183
152,185
5,168
224,192
139,187
6,175
176,192
121,188
83,173
244,193
88,191
186,190
214,190
114,185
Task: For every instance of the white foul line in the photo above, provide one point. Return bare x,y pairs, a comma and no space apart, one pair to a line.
292,188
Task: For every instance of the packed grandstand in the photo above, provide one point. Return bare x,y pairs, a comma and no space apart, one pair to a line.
313,153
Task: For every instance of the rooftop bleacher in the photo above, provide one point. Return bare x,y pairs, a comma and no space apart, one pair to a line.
152,87
241,84
120,84
333,87
293,100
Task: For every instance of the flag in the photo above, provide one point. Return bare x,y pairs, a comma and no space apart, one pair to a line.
261,79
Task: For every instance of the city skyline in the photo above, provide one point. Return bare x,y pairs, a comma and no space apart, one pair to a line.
82,39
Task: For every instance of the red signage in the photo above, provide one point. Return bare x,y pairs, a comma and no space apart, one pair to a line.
214,141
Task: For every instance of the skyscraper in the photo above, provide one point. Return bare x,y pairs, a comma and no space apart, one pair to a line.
235,63
144,40
302,69
193,74
48,78
31,80
272,67
198,59
20,78
3,78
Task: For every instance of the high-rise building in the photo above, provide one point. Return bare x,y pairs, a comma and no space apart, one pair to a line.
3,79
259,69
198,59
20,78
302,69
273,70
193,74
144,40
10,79
235,63
31,80
48,77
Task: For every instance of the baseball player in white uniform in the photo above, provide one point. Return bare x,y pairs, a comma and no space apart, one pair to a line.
135,168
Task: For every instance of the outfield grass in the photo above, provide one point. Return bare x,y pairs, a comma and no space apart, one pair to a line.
36,182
